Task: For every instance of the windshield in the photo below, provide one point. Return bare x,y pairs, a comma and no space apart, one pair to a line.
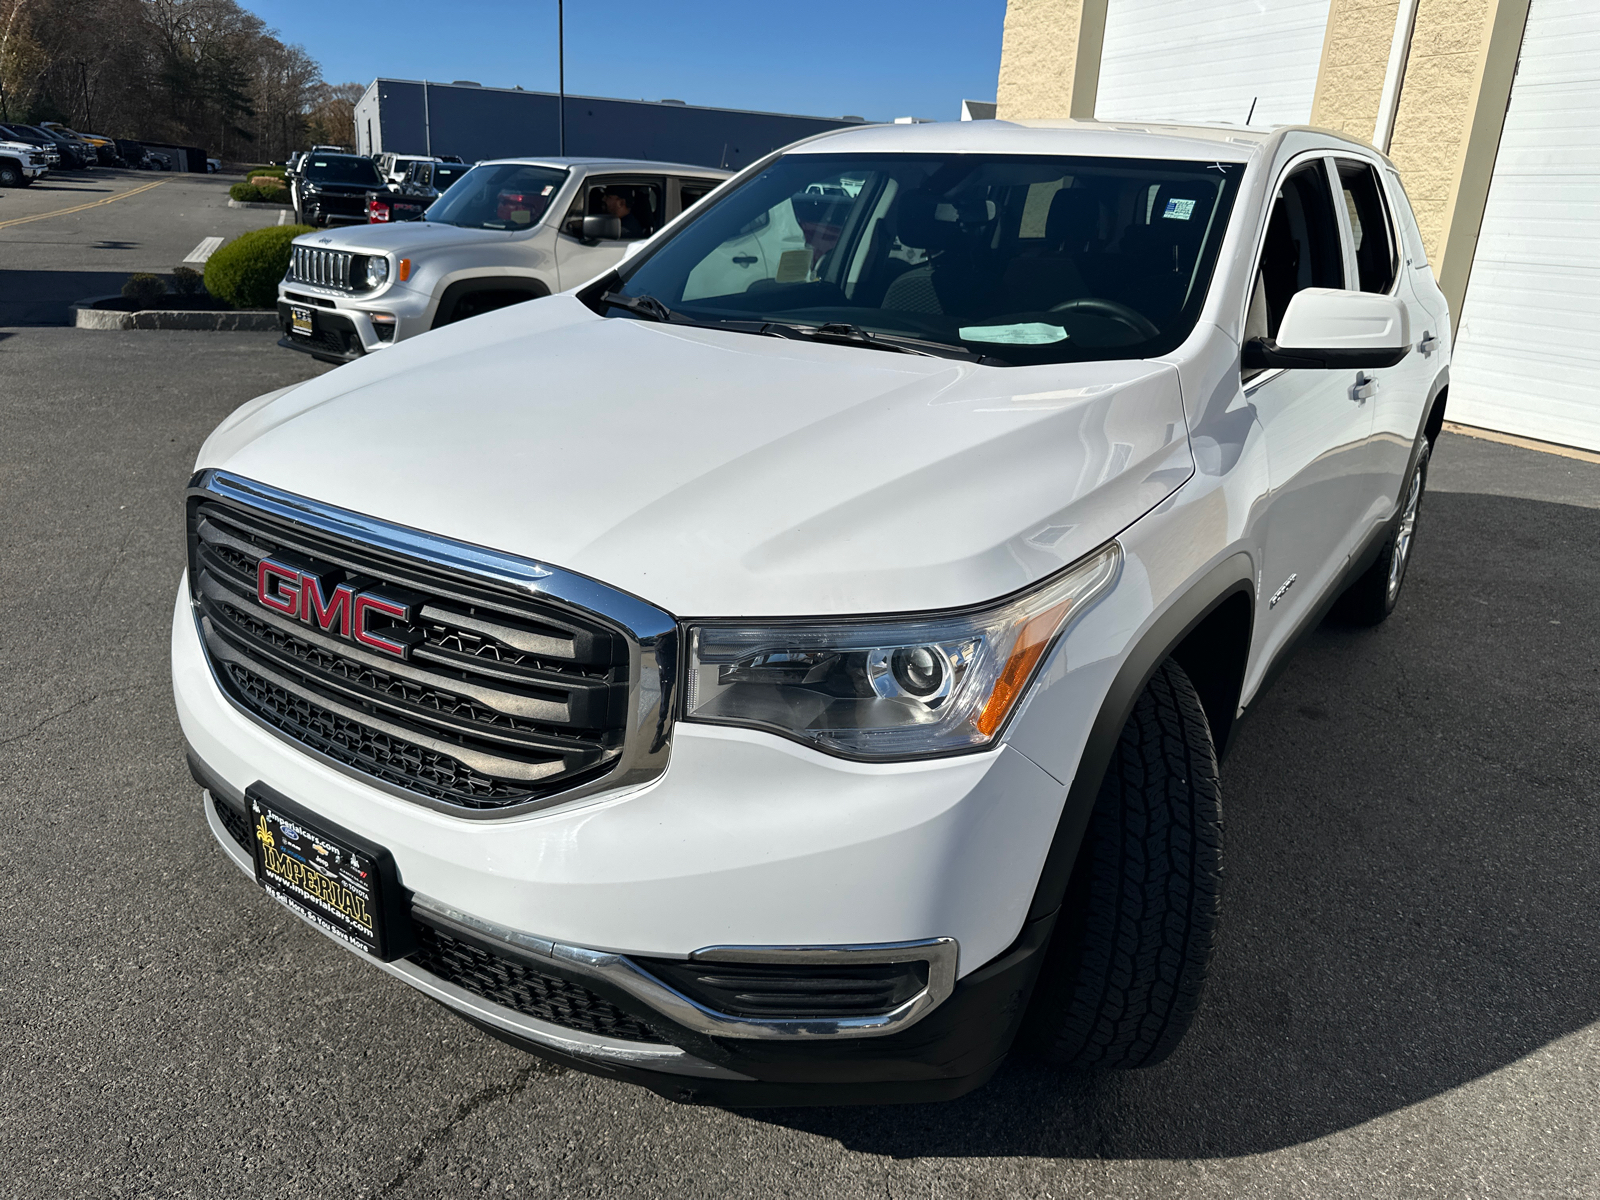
444,178
499,196
1016,259
341,168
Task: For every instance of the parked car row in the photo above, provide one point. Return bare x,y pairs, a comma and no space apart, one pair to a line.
58,148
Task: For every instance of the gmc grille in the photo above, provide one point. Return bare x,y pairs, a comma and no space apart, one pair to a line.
502,699
323,268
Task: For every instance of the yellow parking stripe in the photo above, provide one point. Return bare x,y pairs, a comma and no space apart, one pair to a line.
61,212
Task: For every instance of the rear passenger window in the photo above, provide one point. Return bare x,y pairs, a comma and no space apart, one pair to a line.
1301,249
691,192
1377,257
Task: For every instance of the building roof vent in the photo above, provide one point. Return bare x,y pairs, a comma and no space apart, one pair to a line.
679,103
465,83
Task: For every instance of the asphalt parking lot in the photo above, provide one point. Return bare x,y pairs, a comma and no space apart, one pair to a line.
81,233
1404,1002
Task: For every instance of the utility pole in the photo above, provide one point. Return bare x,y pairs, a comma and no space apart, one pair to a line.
561,77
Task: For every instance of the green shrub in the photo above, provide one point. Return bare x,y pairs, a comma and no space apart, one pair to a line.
144,288
245,272
250,193
252,172
186,281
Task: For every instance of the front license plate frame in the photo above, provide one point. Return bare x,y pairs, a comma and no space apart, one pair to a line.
343,884
302,321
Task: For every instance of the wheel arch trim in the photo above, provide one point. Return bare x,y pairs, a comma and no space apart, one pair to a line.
1233,576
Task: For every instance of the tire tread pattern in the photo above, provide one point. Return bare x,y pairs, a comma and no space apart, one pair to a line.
1153,860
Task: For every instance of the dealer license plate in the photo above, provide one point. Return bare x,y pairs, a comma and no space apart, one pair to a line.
341,883
301,321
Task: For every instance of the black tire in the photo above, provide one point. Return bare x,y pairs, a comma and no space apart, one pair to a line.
1128,959
1372,597
10,175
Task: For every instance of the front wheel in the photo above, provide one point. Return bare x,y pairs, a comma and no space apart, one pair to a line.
1128,959
10,176
1372,597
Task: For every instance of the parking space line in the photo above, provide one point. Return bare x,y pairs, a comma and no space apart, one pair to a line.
204,250
61,212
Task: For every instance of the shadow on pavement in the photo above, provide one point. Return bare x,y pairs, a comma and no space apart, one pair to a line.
1411,899
41,297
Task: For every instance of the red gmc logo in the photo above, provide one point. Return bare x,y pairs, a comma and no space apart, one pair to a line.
339,610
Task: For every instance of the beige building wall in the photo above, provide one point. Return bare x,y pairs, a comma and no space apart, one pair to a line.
1050,59
1355,56
1448,124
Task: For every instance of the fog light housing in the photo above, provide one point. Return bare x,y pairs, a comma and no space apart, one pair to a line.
383,324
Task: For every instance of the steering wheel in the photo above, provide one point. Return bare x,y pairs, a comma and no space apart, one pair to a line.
1101,307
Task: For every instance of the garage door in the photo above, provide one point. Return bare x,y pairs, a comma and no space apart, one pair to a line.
1527,357
1176,60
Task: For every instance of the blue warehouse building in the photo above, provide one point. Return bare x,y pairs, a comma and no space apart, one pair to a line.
409,116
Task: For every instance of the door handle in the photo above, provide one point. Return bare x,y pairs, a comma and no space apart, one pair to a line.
745,260
1428,344
1364,389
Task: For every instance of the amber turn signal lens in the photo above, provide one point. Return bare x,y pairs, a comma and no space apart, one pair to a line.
405,269
1035,639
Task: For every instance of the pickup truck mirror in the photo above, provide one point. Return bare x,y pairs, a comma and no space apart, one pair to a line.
602,228
1328,328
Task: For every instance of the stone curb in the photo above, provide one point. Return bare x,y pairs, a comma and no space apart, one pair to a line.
232,203
86,316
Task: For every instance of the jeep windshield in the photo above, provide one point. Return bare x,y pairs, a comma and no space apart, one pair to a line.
341,168
498,196
1012,259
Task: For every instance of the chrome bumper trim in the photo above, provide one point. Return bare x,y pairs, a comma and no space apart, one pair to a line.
667,1059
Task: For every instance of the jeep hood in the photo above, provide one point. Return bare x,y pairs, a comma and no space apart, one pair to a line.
401,237
717,473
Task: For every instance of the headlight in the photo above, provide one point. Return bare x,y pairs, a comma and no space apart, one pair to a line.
908,687
377,271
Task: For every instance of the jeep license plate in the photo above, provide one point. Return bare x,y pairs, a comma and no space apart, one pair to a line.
301,321
341,883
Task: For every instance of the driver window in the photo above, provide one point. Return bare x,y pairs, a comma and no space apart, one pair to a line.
1301,249
638,205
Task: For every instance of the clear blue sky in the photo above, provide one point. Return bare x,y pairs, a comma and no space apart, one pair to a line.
874,58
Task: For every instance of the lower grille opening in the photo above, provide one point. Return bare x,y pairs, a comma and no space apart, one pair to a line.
773,991
403,764
501,979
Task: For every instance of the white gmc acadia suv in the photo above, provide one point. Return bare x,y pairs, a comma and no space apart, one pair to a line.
508,231
792,667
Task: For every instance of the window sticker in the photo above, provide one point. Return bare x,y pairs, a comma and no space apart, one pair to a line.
794,266
1178,210
548,188
1029,333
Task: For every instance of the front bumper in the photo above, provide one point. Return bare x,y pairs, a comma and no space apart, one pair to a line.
746,840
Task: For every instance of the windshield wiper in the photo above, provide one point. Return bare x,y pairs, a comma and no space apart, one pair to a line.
854,335
646,306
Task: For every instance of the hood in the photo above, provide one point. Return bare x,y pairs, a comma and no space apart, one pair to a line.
717,473
401,237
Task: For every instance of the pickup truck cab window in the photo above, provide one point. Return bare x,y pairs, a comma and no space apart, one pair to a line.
508,196
951,251
341,168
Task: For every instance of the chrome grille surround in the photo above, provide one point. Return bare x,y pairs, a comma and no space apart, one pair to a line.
491,716
323,268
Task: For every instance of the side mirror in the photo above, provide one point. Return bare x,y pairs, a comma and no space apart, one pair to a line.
603,228
1327,328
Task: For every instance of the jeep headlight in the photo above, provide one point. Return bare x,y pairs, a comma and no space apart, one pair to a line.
883,688
377,271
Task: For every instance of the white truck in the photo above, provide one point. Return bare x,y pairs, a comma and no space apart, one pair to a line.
21,163
510,230
793,667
